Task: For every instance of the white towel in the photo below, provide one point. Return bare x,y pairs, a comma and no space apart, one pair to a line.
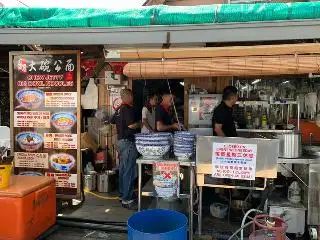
311,101
90,98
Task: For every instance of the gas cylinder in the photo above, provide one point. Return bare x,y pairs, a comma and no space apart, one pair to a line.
267,227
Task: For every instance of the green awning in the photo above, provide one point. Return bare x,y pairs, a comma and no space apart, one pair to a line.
157,15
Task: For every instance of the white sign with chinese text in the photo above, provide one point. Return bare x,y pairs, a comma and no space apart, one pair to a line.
234,161
64,180
31,160
32,119
60,141
61,99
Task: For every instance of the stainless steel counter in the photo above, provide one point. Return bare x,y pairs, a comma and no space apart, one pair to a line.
264,131
307,170
305,159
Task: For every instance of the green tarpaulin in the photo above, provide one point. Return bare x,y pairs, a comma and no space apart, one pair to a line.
157,15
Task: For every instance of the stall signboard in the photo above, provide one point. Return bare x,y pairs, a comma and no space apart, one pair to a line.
166,179
234,161
115,98
45,117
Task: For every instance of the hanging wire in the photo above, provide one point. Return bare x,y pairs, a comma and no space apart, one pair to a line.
173,104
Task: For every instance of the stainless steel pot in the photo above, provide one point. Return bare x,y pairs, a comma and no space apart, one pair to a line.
90,181
106,181
289,145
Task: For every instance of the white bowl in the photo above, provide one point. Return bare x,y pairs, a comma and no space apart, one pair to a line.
183,156
152,143
152,152
166,192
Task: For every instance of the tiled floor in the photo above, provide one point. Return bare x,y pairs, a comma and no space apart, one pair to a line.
100,209
93,208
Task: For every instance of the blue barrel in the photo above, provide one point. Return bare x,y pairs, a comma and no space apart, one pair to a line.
157,224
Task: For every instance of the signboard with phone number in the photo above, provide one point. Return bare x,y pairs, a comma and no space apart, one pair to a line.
234,161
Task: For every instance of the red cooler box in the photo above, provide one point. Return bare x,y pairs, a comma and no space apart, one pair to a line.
27,207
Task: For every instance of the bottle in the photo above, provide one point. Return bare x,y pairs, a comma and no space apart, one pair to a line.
89,168
294,192
264,122
249,120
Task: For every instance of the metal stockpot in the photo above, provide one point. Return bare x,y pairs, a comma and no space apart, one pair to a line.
106,181
90,181
289,145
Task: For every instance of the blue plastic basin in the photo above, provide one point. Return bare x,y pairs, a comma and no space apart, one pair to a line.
157,224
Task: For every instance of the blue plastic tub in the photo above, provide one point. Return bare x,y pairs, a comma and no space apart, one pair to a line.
157,224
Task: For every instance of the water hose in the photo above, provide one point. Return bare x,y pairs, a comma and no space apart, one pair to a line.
240,229
102,197
93,226
244,219
77,219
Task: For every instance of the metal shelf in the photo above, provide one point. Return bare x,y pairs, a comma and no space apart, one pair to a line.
264,131
258,103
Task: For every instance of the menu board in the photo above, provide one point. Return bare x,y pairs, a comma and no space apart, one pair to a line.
45,114
234,161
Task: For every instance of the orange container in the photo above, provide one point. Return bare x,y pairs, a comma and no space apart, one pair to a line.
27,207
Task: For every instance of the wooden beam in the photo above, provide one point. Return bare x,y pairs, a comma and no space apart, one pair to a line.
210,52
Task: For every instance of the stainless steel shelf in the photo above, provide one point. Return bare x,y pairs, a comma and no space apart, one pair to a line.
151,194
264,131
151,161
258,103
302,160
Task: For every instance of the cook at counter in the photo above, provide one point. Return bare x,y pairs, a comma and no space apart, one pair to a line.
222,119
165,121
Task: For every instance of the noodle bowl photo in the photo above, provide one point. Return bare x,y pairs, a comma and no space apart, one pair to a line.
29,141
63,120
30,98
62,162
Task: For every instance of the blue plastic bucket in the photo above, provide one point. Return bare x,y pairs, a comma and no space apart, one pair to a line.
157,224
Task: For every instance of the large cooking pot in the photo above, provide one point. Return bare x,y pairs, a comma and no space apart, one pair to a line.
106,181
90,181
289,145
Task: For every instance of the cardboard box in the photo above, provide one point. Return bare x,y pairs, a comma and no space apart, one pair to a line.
88,142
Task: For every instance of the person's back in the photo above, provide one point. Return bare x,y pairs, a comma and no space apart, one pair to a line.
126,128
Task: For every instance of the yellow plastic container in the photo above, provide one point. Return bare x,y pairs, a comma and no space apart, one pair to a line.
5,173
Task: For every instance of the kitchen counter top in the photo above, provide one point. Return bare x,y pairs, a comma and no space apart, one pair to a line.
305,159
142,160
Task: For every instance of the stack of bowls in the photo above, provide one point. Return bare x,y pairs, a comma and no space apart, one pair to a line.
153,145
184,145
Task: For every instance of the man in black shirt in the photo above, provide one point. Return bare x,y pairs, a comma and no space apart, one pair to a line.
222,120
164,120
127,126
